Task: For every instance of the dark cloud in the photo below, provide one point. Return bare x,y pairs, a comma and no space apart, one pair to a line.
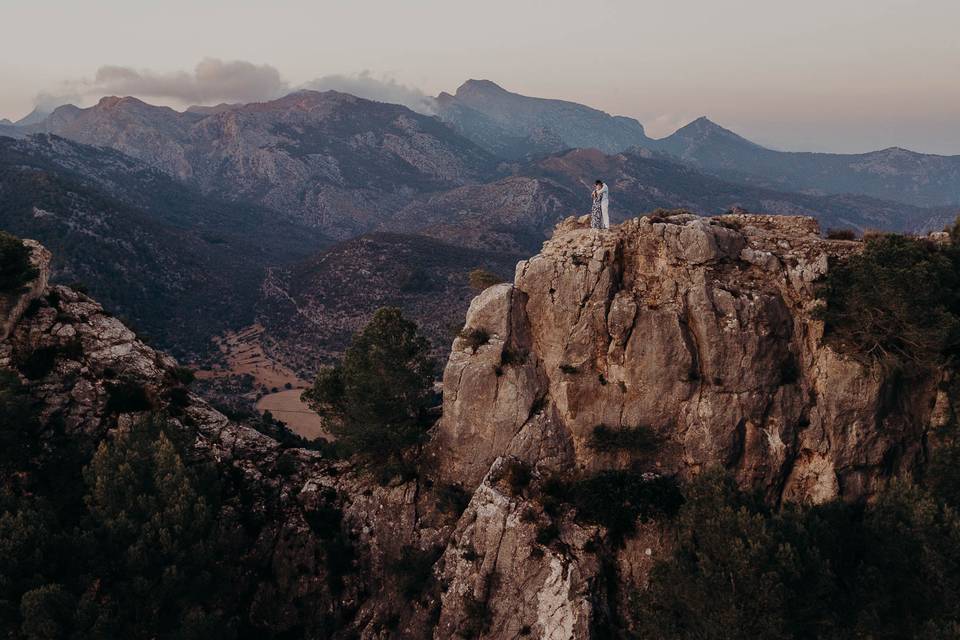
365,85
215,80
212,80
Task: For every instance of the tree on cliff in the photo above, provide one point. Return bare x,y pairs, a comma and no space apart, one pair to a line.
898,301
739,569
15,267
375,400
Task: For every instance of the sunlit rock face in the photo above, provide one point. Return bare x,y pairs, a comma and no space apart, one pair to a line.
698,329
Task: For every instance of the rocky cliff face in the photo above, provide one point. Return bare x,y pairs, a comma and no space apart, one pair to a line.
335,162
699,330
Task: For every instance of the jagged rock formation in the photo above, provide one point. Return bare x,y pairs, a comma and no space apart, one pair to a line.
12,305
700,329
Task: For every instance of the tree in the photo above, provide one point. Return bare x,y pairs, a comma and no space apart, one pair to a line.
160,557
897,301
15,267
18,426
376,399
481,279
741,570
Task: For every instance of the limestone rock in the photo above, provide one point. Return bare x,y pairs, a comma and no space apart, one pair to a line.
699,329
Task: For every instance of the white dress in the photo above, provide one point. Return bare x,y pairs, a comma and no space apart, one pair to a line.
604,206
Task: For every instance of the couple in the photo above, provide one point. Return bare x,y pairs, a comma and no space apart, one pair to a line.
599,217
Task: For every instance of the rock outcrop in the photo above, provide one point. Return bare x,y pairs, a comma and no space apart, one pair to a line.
13,304
701,330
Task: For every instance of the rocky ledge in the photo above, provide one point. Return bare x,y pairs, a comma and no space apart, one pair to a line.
702,331
698,334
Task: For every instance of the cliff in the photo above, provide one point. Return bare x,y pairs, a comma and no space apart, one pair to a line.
701,330
690,342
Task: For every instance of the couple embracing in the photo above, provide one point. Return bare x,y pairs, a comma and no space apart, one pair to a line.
599,216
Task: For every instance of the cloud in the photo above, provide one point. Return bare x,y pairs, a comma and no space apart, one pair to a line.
213,80
384,89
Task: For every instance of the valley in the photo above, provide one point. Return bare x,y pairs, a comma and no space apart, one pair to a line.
253,240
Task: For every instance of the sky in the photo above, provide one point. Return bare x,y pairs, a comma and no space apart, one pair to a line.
818,75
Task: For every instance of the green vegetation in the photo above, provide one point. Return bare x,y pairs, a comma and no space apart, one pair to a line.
137,552
475,338
15,267
633,439
614,499
481,279
413,570
897,302
740,570
376,399
451,498
18,426
517,474
841,234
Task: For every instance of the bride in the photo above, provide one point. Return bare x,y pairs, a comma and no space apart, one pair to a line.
599,216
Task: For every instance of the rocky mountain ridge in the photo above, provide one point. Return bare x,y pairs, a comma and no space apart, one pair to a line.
337,162
700,330
901,175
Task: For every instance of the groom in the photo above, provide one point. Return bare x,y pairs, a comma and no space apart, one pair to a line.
604,203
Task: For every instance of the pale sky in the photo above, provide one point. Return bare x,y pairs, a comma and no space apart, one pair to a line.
822,75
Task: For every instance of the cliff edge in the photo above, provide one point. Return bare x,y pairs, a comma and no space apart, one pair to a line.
702,332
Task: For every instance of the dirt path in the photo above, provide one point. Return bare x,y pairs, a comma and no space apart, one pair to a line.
245,355
288,407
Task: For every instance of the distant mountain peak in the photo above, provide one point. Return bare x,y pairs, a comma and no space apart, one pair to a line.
704,128
480,86
36,116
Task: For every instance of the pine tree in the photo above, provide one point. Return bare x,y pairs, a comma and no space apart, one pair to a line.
376,399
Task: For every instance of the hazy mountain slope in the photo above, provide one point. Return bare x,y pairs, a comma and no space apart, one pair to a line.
523,117
337,162
311,310
518,212
499,138
891,174
180,266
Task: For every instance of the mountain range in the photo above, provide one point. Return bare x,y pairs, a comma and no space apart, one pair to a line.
305,213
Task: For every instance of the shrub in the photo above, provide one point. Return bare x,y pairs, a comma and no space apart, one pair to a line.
126,396
15,267
19,436
841,234
615,499
481,279
183,375
452,498
547,533
517,475
634,439
831,571
376,400
898,301
39,363
475,338
511,356
568,369
414,570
